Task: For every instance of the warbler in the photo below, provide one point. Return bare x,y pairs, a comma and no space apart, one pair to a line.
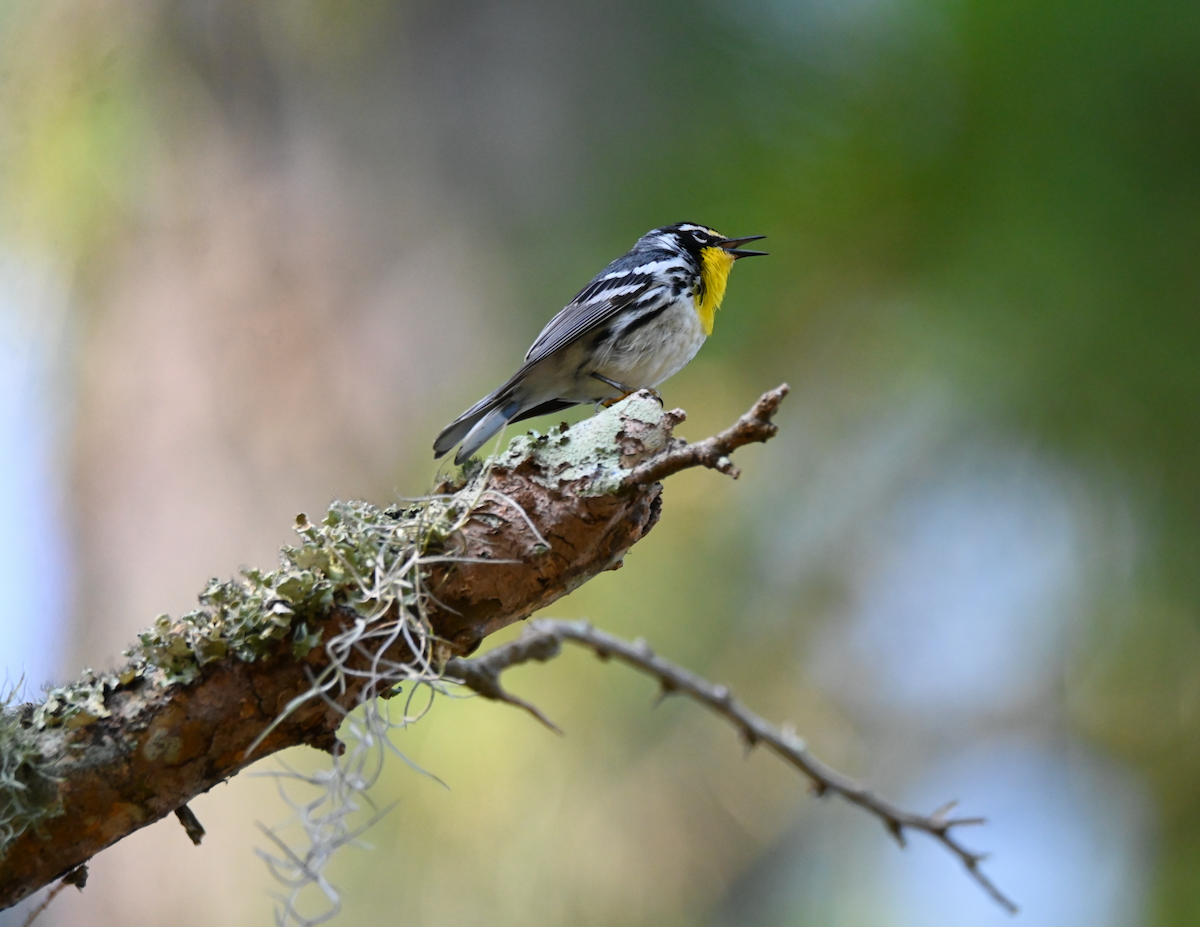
638,322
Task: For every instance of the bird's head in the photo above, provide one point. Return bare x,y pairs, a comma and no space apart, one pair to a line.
713,255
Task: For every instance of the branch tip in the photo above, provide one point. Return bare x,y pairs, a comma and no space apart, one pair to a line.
755,427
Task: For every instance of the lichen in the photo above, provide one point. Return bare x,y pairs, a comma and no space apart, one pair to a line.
358,556
247,617
77,704
28,785
590,450
336,561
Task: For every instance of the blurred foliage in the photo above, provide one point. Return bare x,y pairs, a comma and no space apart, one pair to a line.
73,118
1002,199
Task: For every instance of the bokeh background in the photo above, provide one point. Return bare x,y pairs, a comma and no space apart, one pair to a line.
253,255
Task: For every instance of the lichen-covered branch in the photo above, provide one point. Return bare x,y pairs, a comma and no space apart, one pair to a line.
543,639
276,658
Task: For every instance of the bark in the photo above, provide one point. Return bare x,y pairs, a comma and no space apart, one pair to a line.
110,754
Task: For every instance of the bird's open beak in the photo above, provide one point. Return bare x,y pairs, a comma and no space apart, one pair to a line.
732,246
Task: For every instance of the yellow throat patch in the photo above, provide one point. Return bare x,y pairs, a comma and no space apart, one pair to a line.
715,264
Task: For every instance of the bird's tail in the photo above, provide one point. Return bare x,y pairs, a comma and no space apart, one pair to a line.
476,425
487,426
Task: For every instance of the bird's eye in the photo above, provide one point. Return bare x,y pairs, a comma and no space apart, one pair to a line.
700,237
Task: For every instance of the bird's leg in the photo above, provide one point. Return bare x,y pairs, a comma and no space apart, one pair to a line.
620,387
624,390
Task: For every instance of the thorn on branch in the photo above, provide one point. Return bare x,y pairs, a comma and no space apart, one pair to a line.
896,829
666,689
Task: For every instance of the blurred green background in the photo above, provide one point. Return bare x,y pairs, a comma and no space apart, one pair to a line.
253,255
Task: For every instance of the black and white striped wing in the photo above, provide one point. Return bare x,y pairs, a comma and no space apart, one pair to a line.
596,304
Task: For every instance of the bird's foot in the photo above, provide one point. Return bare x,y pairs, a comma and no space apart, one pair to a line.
609,403
621,388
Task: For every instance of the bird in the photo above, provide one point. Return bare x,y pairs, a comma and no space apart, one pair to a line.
637,323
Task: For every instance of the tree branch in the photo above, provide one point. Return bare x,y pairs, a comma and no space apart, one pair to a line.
753,427
542,641
277,658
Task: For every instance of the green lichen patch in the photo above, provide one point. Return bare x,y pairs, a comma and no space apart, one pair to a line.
358,555
589,450
350,558
77,704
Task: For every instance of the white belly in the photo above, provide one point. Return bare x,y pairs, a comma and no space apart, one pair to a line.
657,350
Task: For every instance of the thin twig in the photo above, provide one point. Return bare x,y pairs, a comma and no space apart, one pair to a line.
77,877
753,427
542,641
482,675
50,896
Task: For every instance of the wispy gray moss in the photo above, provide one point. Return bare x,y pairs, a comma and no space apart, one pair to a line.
28,786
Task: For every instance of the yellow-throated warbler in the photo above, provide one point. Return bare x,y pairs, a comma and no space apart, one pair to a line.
638,322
